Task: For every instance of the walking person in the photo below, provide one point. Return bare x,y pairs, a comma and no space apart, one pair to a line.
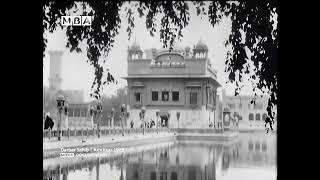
48,123
210,125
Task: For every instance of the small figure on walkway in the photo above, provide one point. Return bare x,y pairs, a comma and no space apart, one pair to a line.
210,125
152,123
131,124
48,123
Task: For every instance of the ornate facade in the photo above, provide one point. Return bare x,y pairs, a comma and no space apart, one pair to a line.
170,81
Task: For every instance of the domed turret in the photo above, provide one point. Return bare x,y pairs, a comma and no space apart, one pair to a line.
134,51
135,47
201,45
200,50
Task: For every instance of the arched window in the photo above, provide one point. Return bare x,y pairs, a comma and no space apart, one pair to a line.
258,117
264,146
250,117
257,145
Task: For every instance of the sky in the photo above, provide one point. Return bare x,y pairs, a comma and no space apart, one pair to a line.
77,74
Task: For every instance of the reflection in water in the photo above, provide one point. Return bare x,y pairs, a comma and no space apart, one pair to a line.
183,160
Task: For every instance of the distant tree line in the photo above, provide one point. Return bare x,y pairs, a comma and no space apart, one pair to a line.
49,101
108,102
114,101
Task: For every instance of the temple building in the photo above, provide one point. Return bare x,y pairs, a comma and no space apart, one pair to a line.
249,114
170,81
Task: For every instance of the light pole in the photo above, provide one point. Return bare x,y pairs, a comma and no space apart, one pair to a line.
214,103
66,112
168,120
94,114
143,111
112,117
127,119
123,114
91,116
158,115
178,117
60,105
99,113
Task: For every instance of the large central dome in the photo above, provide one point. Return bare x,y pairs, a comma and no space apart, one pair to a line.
135,47
201,45
175,51
177,48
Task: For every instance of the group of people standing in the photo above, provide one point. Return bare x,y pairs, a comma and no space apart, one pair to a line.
148,124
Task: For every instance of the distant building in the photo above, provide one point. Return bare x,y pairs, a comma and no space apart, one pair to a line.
74,97
55,80
253,115
173,81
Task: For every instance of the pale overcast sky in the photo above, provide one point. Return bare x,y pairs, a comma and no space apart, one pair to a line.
77,74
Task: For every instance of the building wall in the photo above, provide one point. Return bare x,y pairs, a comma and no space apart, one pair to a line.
146,86
191,116
188,118
74,96
246,108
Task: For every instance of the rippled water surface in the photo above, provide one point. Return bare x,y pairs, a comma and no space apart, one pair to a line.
250,156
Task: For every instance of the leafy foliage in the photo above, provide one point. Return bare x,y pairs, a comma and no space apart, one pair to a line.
252,30
113,102
256,20
49,101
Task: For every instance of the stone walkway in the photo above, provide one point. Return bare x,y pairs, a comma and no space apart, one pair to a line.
79,142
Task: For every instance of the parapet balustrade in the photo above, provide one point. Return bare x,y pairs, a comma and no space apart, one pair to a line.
107,131
167,64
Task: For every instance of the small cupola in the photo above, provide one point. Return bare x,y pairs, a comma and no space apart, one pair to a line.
134,51
200,50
